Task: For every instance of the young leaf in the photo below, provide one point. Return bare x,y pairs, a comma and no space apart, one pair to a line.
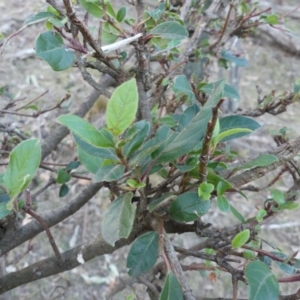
24,161
263,284
188,207
143,254
109,173
172,289
278,196
118,219
121,14
122,107
86,131
170,30
241,239
260,215
92,8
62,176
223,204
64,190
50,47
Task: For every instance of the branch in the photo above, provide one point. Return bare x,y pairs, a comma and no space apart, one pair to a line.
72,259
283,153
12,239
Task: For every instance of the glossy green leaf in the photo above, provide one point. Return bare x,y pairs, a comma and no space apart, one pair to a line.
109,173
118,219
188,207
239,61
50,47
172,289
4,200
122,107
262,283
182,85
141,129
170,30
187,139
228,133
86,131
261,161
91,163
39,17
108,153
64,190
143,254
24,161
92,8
237,214
232,122
121,14
241,239
223,204
62,176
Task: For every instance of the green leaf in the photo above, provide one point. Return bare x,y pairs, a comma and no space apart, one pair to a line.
228,133
86,131
182,85
157,13
172,289
62,176
143,254
260,215
187,139
109,34
216,95
188,207
288,205
228,91
272,19
39,17
231,122
109,173
92,8
278,196
223,204
221,188
263,284
72,165
285,267
118,219
215,180
107,153
122,107
237,214
4,200
241,239
50,47
63,191
91,163
24,161
141,129
239,61
154,203
261,161
121,14
170,30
